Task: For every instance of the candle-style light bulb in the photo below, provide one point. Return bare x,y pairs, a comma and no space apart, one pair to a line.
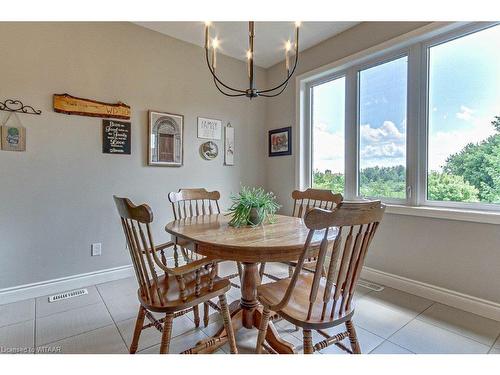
298,23
208,23
215,45
288,47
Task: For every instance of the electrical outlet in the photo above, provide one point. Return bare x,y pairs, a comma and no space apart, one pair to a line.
95,249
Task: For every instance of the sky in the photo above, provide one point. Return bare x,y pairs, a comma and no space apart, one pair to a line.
464,97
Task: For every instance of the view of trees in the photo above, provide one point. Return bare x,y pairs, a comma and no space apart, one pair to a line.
471,175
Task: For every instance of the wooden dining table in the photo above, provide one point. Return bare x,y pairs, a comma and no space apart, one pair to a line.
280,241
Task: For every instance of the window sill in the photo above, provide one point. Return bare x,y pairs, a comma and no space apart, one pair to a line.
445,213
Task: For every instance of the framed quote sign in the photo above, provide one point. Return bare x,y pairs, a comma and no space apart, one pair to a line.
209,128
116,137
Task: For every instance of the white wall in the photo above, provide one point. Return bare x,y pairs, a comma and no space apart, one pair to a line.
456,255
56,198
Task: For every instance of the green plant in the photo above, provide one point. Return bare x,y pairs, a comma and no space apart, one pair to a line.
251,206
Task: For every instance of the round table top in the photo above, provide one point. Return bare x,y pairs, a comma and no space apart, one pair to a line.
282,240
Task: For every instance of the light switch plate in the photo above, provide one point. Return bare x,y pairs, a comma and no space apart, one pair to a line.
95,249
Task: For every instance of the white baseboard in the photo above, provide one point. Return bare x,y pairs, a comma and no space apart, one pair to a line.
488,309
18,293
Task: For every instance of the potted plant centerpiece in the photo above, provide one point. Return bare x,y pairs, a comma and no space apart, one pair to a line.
252,206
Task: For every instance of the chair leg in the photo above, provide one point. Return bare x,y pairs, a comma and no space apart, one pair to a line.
167,333
308,346
263,329
206,311
139,323
227,324
290,271
353,338
196,312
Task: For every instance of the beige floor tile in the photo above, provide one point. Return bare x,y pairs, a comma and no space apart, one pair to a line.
17,338
105,340
421,337
180,343
464,323
17,312
69,323
227,268
151,336
379,318
494,351
388,347
399,300
123,307
497,343
115,288
45,308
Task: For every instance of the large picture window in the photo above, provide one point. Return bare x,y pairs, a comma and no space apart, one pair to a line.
464,127
415,125
382,130
328,123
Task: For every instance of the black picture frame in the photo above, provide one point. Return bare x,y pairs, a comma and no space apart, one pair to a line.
288,151
116,137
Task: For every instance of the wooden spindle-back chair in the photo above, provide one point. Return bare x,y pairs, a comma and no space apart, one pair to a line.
303,201
188,203
163,289
315,301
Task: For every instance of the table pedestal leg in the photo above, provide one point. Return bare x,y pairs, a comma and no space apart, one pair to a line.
250,280
247,313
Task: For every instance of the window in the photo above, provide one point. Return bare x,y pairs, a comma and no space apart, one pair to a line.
328,123
382,130
463,137
417,124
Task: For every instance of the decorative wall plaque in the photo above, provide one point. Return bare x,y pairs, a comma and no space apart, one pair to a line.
209,128
71,105
209,150
116,137
13,134
229,145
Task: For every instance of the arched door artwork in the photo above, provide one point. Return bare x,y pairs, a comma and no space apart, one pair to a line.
165,139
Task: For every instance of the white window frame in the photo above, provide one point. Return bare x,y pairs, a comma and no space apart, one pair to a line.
415,45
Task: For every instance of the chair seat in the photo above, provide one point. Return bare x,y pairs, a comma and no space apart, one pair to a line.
171,301
296,309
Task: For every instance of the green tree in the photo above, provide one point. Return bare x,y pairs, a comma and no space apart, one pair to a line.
328,180
448,187
479,165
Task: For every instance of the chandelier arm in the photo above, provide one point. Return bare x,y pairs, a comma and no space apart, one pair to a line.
225,93
273,95
217,78
293,69
285,82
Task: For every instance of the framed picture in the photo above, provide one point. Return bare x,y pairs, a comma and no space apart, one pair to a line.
209,128
280,142
229,145
165,139
116,137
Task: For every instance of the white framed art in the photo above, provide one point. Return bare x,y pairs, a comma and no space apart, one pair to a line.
209,128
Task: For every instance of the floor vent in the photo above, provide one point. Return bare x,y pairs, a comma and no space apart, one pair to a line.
370,285
66,295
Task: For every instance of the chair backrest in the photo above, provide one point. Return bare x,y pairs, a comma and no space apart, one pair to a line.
356,223
194,202
310,198
136,222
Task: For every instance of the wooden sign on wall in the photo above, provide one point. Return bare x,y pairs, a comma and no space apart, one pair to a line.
116,137
71,105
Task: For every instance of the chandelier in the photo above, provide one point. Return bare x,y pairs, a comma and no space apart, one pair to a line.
211,46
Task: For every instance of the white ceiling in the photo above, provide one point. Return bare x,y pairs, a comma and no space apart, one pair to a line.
270,37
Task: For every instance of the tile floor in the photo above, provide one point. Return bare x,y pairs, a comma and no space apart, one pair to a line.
387,322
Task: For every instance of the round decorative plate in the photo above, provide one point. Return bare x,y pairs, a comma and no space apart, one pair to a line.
209,150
